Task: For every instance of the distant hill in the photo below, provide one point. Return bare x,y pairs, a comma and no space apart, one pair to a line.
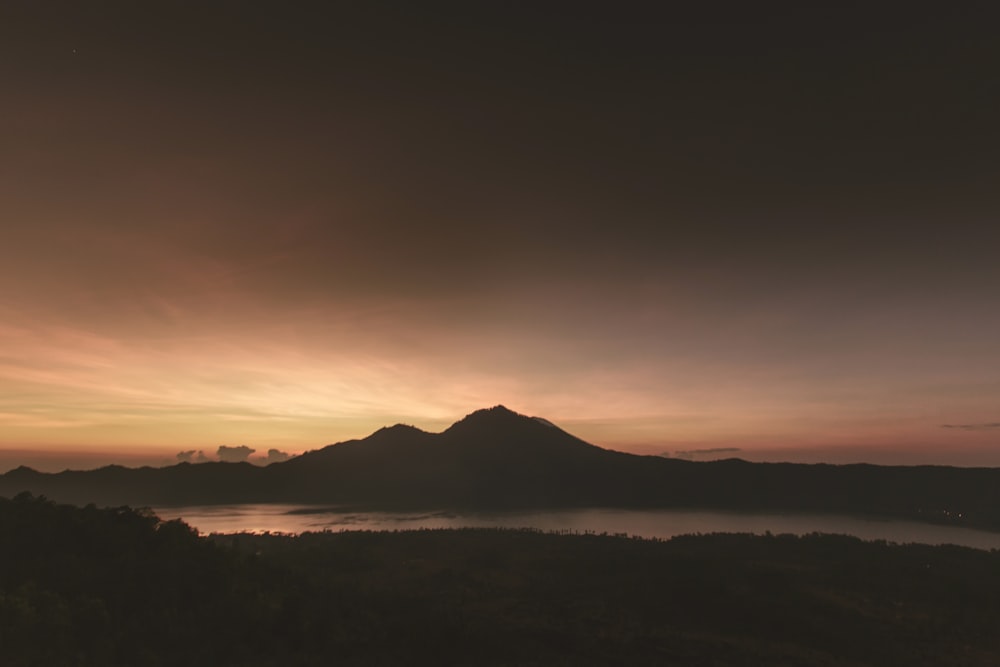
497,459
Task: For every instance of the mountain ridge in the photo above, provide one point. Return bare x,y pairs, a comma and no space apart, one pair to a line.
498,459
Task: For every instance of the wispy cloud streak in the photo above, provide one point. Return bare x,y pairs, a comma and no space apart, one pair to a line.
973,427
710,452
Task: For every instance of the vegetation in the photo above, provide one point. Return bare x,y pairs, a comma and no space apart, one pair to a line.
89,586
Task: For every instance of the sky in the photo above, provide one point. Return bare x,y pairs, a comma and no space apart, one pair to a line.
763,231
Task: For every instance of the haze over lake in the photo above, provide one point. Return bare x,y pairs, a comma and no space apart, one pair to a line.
661,523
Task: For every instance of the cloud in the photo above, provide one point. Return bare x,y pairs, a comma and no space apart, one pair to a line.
192,456
235,454
276,456
695,453
973,427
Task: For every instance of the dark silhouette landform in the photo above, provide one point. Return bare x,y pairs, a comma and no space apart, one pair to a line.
118,587
498,459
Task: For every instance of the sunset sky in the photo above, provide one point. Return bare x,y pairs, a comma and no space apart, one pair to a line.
764,228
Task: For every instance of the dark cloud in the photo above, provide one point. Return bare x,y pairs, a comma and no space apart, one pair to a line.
696,453
235,454
192,456
973,427
276,456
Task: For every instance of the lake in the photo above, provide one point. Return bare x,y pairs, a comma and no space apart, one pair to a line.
661,523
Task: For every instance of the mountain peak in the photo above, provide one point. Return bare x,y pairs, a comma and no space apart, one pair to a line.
496,410
22,471
399,428
493,422
498,414
395,433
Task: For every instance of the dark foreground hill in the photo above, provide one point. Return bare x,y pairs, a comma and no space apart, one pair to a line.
114,587
497,459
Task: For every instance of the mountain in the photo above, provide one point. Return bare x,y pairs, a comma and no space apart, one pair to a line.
496,459
491,458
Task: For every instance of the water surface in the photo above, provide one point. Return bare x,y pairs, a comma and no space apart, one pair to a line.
662,523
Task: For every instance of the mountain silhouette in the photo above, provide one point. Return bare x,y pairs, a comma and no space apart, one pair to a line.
493,457
499,459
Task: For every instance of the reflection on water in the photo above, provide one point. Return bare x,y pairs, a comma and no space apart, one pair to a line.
645,523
